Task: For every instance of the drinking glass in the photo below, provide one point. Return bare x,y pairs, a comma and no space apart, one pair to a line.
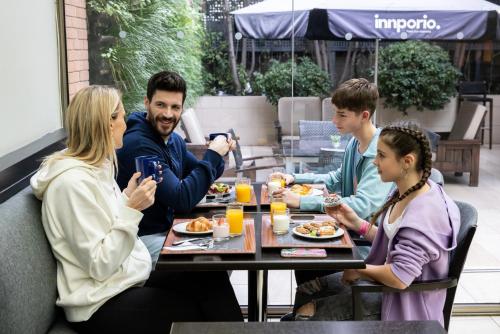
277,204
234,216
274,183
220,227
243,190
281,221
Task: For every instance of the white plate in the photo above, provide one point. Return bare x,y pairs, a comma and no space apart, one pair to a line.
338,233
313,192
219,195
181,228
316,192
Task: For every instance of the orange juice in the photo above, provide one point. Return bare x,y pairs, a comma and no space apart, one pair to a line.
235,220
243,192
283,183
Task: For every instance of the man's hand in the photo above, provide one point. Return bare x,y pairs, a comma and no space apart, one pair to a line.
289,179
291,199
221,145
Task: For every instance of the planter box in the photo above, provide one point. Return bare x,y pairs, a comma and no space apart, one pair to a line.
433,120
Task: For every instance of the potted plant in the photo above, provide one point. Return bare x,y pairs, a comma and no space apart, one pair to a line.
417,81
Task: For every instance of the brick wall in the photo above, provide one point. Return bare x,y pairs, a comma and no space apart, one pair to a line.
76,45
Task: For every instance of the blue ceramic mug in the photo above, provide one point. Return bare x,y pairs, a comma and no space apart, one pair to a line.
212,136
149,165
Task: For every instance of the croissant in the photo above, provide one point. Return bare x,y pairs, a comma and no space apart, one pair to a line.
200,224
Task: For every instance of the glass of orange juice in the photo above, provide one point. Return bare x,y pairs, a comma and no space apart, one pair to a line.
277,205
234,216
243,190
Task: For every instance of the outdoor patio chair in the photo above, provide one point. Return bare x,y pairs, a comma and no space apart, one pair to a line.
468,225
459,153
304,108
197,144
247,166
476,91
327,109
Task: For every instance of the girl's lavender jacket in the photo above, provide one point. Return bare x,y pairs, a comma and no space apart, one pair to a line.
419,251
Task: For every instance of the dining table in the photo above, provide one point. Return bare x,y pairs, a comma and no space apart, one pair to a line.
258,262
316,327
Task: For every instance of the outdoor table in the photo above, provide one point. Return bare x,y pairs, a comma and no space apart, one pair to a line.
316,327
257,264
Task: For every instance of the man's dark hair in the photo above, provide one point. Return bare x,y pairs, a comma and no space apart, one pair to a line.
356,95
167,81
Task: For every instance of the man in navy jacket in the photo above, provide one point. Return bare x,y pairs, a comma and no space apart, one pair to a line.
185,179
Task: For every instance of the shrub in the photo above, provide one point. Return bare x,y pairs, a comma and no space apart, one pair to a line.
309,80
417,74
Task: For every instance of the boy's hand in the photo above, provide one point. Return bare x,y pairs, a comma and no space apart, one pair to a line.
289,179
291,199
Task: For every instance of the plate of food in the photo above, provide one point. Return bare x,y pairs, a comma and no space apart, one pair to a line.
305,190
318,230
219,190
196,226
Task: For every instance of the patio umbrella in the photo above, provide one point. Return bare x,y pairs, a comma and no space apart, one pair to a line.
370,19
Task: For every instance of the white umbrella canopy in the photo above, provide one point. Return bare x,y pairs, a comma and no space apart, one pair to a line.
369,19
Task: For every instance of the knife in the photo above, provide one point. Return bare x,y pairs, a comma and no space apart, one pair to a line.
179,242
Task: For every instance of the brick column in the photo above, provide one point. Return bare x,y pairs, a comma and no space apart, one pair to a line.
76,45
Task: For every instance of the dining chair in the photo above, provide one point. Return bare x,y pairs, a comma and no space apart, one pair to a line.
468,225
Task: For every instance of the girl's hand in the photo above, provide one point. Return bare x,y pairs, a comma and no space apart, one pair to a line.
350,276
143,195
345,216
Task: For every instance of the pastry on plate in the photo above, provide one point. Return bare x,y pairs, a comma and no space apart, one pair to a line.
200,224
331,201
301,189
326,230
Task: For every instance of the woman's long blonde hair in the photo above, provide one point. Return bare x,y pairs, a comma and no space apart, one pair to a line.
88,121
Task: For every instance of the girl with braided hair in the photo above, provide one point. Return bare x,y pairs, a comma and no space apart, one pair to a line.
417,228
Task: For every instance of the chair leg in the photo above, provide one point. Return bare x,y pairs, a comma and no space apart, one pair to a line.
357,308
474,173
491,125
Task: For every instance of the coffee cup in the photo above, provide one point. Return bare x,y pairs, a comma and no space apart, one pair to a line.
149,165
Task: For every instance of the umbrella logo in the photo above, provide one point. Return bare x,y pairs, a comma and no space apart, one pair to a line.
419,25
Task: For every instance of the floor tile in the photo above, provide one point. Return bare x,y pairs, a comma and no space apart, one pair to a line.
483,287
241,292
468,325
239,277
279,287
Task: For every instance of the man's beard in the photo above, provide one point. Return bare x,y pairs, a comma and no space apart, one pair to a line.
159,127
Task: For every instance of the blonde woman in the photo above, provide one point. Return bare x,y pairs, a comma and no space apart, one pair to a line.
103,268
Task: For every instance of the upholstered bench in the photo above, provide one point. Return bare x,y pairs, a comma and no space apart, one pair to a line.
27,270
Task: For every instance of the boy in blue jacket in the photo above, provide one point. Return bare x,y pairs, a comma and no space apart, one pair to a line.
186,179
357,181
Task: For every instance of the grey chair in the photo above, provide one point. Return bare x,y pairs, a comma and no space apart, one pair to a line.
468,225
28,289
304,108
